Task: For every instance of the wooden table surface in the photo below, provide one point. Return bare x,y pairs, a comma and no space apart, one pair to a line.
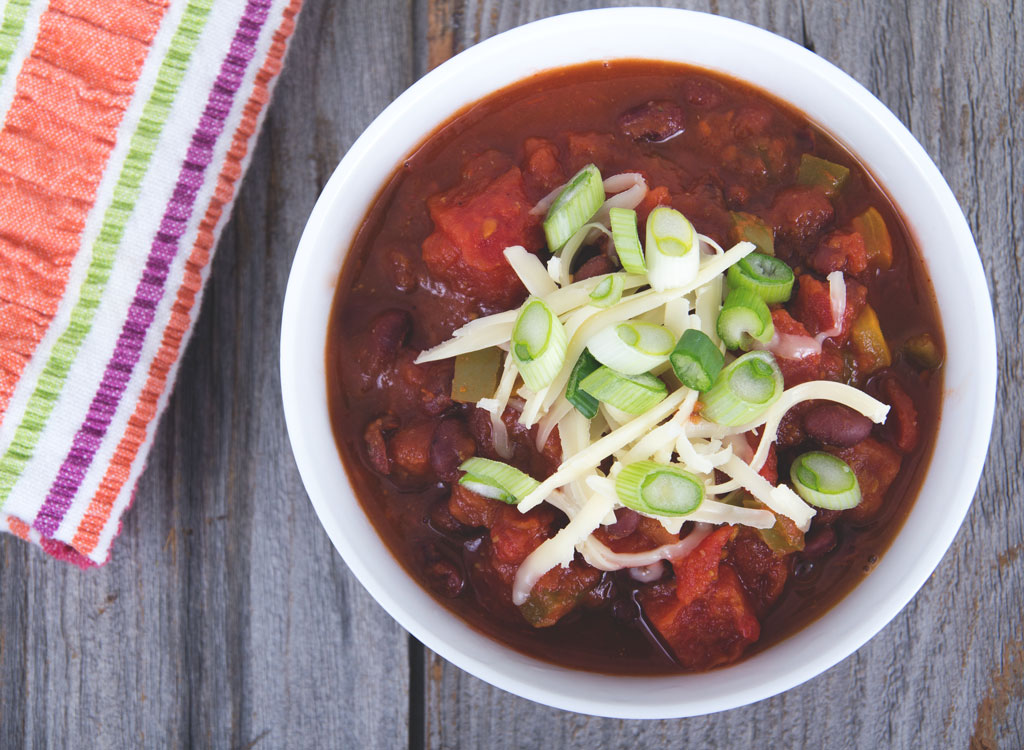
226,619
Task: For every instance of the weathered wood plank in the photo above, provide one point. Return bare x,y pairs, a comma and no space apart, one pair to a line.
225,617
948,671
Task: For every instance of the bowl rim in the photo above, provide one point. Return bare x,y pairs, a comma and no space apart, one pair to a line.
526,676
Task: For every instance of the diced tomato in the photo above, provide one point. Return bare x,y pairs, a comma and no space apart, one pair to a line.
901,423
711,630
799,215
655,197
795,370
840,251
515,535
473,224
762,571
698,570
813,305
876,465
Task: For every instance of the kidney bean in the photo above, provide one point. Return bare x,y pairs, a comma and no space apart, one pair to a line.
654,121
387,332
626,521
445,578
376,443
596,266
451,445
442,520
820,542
835,424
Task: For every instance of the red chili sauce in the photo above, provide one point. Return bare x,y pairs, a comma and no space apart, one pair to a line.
428,258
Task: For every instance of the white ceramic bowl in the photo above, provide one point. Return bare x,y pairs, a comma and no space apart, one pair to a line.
855,118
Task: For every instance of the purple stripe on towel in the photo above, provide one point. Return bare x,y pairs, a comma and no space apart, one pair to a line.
151,287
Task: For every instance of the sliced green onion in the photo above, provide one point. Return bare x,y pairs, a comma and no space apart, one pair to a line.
825,481
769,277
573,207
672,250
744,316
827,175
744,390
696,360
632,347
496,480
583,401
659,489
476,375
626,239
609,291
538,343
634,394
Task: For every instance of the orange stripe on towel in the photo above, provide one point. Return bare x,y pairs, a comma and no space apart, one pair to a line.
18,527
70,96
87,534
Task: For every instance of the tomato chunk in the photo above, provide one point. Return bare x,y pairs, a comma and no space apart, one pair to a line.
698,570
901,423
876,465
840,251
713,629
813,306
473,224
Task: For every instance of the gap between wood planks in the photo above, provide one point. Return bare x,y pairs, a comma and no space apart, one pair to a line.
417,695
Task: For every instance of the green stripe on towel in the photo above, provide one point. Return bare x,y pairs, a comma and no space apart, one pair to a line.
140,151
10,31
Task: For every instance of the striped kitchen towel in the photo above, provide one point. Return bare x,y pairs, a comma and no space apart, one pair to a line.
126,128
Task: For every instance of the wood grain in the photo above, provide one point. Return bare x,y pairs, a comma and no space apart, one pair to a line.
226,619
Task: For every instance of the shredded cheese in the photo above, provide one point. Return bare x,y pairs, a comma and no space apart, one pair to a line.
591,456
781,499
837,296
601,557
530,270
559,549
824,390
496,408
